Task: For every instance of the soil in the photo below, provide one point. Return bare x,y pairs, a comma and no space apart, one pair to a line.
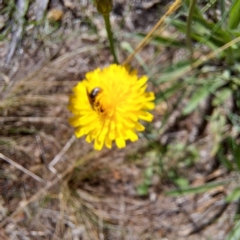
88,194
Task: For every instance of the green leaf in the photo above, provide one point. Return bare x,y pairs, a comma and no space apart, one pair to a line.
195,190
223,159
235,233
234,195
148,173
201,94
142,189
159,40
204,32
217,122
214,33
234,16
164,95
191,10
236,154
181,182
235,149
174,72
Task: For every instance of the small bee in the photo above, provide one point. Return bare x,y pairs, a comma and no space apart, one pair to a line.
92,99
93,94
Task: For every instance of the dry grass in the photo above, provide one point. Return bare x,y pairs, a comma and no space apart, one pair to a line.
54,186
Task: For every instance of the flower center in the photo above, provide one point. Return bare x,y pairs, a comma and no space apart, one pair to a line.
106,103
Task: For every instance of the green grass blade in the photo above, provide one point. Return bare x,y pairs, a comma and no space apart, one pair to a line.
236,155
164,95
202,32
235,149
159,40
195,190
234,195
200,94
173,72
224,161
222,6
189,24
234,16
235,233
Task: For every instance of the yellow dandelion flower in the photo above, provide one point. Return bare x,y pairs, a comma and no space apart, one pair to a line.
108,104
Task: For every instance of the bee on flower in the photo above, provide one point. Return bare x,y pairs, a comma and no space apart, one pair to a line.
108,104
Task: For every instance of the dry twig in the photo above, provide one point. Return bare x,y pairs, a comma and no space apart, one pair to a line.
18,166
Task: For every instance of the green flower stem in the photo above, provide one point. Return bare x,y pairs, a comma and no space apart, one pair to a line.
110,36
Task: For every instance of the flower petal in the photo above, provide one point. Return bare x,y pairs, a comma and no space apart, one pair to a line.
132,136
98,144
120,142
146,116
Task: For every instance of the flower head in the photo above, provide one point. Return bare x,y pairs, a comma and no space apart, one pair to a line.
108,104
104,6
